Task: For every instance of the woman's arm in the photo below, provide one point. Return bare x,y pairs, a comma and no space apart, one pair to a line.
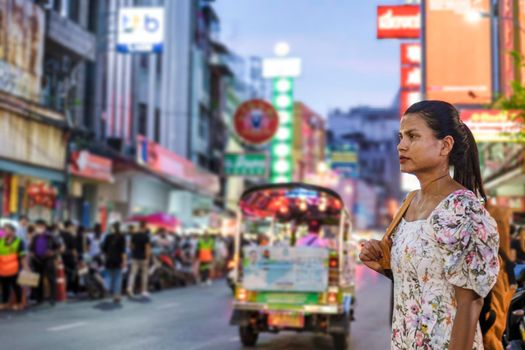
469,306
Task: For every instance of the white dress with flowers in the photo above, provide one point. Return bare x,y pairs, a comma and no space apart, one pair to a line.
456,246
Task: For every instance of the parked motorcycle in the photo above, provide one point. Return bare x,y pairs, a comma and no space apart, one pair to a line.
90,274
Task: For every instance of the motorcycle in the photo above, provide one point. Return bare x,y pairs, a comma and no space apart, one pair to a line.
90,274
514,336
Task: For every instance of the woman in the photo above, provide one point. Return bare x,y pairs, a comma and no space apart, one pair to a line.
12,256
444,253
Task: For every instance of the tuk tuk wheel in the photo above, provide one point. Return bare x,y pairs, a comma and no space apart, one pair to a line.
340,341
248,335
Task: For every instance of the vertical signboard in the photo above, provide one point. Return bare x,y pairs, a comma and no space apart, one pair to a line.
458,66
506,46
282,161
411,76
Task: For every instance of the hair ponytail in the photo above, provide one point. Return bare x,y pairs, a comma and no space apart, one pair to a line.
465,159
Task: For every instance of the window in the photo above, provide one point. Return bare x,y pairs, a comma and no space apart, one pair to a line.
157,125
143,120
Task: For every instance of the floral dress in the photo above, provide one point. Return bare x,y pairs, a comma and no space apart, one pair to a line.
456,246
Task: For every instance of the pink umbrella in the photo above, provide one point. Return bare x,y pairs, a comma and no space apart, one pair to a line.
160,219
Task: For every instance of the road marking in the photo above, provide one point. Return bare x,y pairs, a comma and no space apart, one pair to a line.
66,326
167,306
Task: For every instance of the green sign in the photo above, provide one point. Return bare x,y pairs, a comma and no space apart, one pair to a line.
247,164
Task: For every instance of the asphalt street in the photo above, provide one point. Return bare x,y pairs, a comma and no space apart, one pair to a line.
193,318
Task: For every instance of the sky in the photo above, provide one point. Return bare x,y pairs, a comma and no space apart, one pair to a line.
344,65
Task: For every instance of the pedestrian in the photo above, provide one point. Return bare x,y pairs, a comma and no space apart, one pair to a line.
81,242
70,255
21,231
444,252
205,251
44,249
114,249
140,257
12,257
94,241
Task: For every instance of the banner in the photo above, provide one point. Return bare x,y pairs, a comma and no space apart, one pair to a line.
22,28
458,52
285,269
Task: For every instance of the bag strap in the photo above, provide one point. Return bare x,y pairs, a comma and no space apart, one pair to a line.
399,215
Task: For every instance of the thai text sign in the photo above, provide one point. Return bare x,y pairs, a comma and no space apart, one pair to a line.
249,164
493,125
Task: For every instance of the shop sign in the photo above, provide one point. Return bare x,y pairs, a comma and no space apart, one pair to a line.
256,122
140,29
493,125
85,164
410,77
163,161
345,161
398,22
248,164
411,54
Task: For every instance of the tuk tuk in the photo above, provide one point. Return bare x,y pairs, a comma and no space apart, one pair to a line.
295,269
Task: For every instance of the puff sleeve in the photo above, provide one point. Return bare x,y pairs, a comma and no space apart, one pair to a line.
468,241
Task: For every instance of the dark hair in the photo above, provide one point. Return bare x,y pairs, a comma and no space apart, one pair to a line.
68,223
443,119
116,227
97,229
41,222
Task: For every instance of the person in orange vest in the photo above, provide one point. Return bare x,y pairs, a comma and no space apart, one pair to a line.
12,257
205,249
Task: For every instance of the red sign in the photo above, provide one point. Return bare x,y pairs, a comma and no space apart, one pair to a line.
492,125
88,165
410,77
163,161
398,22
506,44
411,54
407,99
255,122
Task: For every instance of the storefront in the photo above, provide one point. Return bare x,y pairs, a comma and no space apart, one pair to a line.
88,173
32,160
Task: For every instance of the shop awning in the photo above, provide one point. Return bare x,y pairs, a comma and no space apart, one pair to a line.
30,170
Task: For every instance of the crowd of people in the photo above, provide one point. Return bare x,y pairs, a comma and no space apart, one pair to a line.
125,254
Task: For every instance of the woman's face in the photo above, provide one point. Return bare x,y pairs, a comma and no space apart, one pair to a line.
419,150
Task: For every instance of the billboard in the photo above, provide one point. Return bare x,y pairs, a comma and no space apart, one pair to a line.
140,29
398,22
22,26
458,52
493,125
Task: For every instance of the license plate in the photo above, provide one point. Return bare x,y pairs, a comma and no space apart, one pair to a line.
293,320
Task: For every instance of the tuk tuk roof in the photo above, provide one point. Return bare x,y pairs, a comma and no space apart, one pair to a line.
291,199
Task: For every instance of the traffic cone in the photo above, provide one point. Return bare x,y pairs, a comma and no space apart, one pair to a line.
61,294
